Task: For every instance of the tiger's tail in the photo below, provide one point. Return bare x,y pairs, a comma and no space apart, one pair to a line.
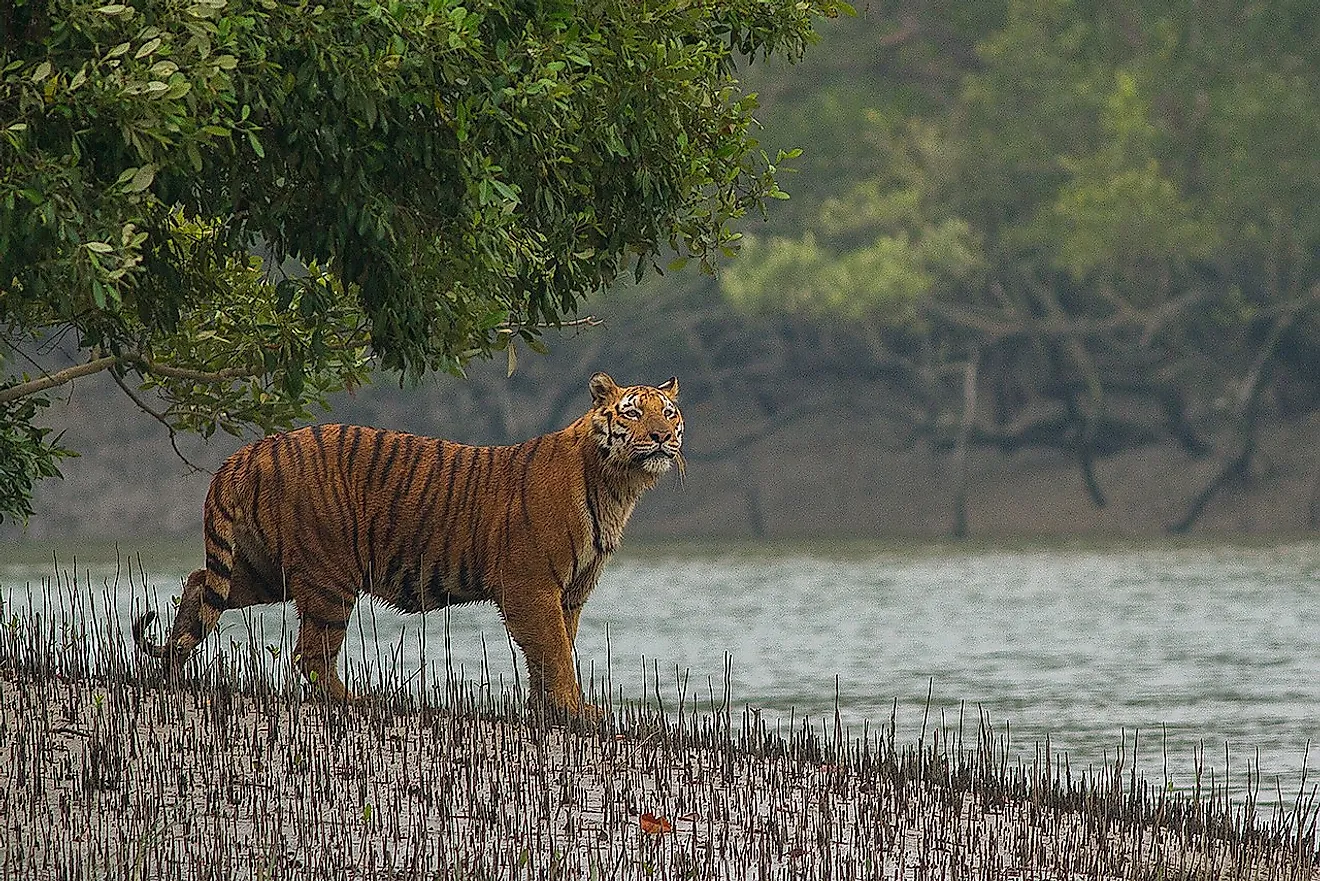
188,626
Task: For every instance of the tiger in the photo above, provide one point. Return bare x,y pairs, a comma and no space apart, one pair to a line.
324,514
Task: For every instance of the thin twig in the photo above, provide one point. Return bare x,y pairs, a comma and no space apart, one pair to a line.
159,417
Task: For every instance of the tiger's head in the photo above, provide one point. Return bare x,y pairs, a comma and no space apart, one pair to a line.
637,426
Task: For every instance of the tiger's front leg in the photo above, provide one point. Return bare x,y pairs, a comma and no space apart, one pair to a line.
536,621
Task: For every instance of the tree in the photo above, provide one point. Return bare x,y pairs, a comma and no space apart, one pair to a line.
1103,220
425,182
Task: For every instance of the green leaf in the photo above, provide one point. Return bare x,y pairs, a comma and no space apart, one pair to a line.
179,86
142,179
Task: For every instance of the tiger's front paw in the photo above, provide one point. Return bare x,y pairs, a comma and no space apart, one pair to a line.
591,714
567,710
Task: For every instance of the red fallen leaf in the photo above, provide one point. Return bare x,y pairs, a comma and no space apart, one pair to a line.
653,825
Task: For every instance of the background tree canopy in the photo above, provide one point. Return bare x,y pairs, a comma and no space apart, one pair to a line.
437,179
1067,223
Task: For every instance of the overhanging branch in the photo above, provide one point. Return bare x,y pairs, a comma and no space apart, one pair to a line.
96,365
58,378
227,375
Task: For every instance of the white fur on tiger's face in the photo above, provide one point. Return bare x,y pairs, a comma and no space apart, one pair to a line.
638,426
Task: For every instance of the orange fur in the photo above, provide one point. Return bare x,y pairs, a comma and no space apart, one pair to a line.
324,514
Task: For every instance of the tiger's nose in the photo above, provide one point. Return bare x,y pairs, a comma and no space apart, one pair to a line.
661,437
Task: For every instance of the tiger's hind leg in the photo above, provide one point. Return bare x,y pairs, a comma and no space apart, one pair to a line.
321,632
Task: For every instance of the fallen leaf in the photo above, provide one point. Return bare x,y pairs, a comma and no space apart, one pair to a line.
653,825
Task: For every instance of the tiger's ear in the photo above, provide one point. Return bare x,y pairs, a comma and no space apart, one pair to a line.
602,388
670,388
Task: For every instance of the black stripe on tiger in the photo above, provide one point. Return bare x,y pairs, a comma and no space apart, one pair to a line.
277,475
350,502
377,441
408,599
475,543
214,538
395,442
532,446
335,486
454,511
405,546
317,438
218,566
573,568
212,598
255,506
440,573
466,579
436,595
595,519
432,474
394,570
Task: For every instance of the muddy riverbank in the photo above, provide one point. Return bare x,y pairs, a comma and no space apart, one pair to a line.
109,773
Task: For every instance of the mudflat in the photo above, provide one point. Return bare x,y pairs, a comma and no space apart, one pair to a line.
114,775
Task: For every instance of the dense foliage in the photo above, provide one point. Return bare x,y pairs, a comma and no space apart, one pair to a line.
1087,225
426,181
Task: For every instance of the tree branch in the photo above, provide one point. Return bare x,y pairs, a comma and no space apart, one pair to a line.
226,375
131,359
584,321
1246,412
59,377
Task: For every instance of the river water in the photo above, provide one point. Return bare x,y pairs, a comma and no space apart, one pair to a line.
1203,649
